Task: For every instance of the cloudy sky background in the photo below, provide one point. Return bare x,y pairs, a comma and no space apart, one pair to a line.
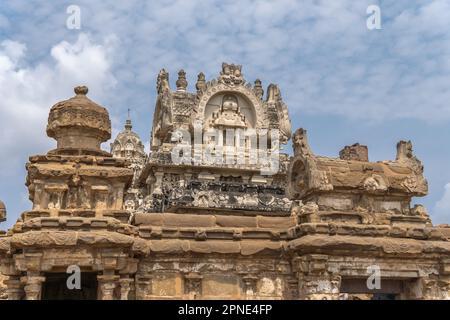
341,81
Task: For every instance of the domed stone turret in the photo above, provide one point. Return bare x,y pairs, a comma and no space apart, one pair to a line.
2,211
79,125
128,144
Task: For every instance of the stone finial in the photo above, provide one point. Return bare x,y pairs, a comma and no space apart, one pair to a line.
81,90
128,125
273,93
162,83
404,150
79,125
258,89
231,74
181,81
201,82
2,211
354,152
300,143
405,154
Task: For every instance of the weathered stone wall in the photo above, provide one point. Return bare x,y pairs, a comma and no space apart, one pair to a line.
214,277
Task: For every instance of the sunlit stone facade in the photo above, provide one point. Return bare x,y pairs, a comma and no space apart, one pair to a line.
181,223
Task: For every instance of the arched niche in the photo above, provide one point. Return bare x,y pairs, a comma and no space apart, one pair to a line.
243,92
214,106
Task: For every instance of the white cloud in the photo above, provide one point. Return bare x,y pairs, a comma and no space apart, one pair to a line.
28,92
441,213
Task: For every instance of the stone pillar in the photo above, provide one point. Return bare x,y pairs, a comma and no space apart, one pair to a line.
315,280
193,285
143,287
319,287
14,288
33,285
125,287
107,284
430,287
250,286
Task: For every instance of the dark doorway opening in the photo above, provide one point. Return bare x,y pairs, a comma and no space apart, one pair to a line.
55,287
390,289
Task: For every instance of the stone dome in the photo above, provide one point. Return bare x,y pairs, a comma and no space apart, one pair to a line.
128,144
79,125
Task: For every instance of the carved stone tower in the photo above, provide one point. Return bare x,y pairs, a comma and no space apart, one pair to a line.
77,192
218,210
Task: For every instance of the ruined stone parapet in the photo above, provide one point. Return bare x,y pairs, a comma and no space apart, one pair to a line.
60,182
355,152
374,191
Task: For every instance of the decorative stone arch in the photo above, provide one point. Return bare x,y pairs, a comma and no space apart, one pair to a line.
241,90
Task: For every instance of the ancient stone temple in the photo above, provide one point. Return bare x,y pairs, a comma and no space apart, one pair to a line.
218,209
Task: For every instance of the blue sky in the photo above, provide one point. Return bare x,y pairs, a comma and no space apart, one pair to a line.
341,81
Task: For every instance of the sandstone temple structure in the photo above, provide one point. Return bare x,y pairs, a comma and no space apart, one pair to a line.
218,209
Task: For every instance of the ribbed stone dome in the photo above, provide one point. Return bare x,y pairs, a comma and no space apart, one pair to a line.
79,125
128,144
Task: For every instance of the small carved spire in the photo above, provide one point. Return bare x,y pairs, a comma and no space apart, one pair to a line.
201,83
273,93
300,143
258,89
162,83
128,125
405,154
181,82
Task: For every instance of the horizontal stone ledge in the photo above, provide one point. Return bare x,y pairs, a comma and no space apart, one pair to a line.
211,233
45,239
364,245
368,230
211,220
246,247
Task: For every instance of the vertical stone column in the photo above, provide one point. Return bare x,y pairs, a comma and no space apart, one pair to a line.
14,288
143,286
319,287
107,284
250,286
33,285
193,285
432,289
125,287
315,280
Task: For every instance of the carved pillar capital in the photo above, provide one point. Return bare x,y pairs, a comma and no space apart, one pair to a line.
250,282
315,280
107,284
314,287
193,285
14,288
32,285
143,286
436,289
125,287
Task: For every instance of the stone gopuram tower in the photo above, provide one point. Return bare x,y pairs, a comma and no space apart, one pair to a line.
219,209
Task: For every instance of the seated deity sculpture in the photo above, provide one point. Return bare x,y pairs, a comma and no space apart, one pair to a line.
229,114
